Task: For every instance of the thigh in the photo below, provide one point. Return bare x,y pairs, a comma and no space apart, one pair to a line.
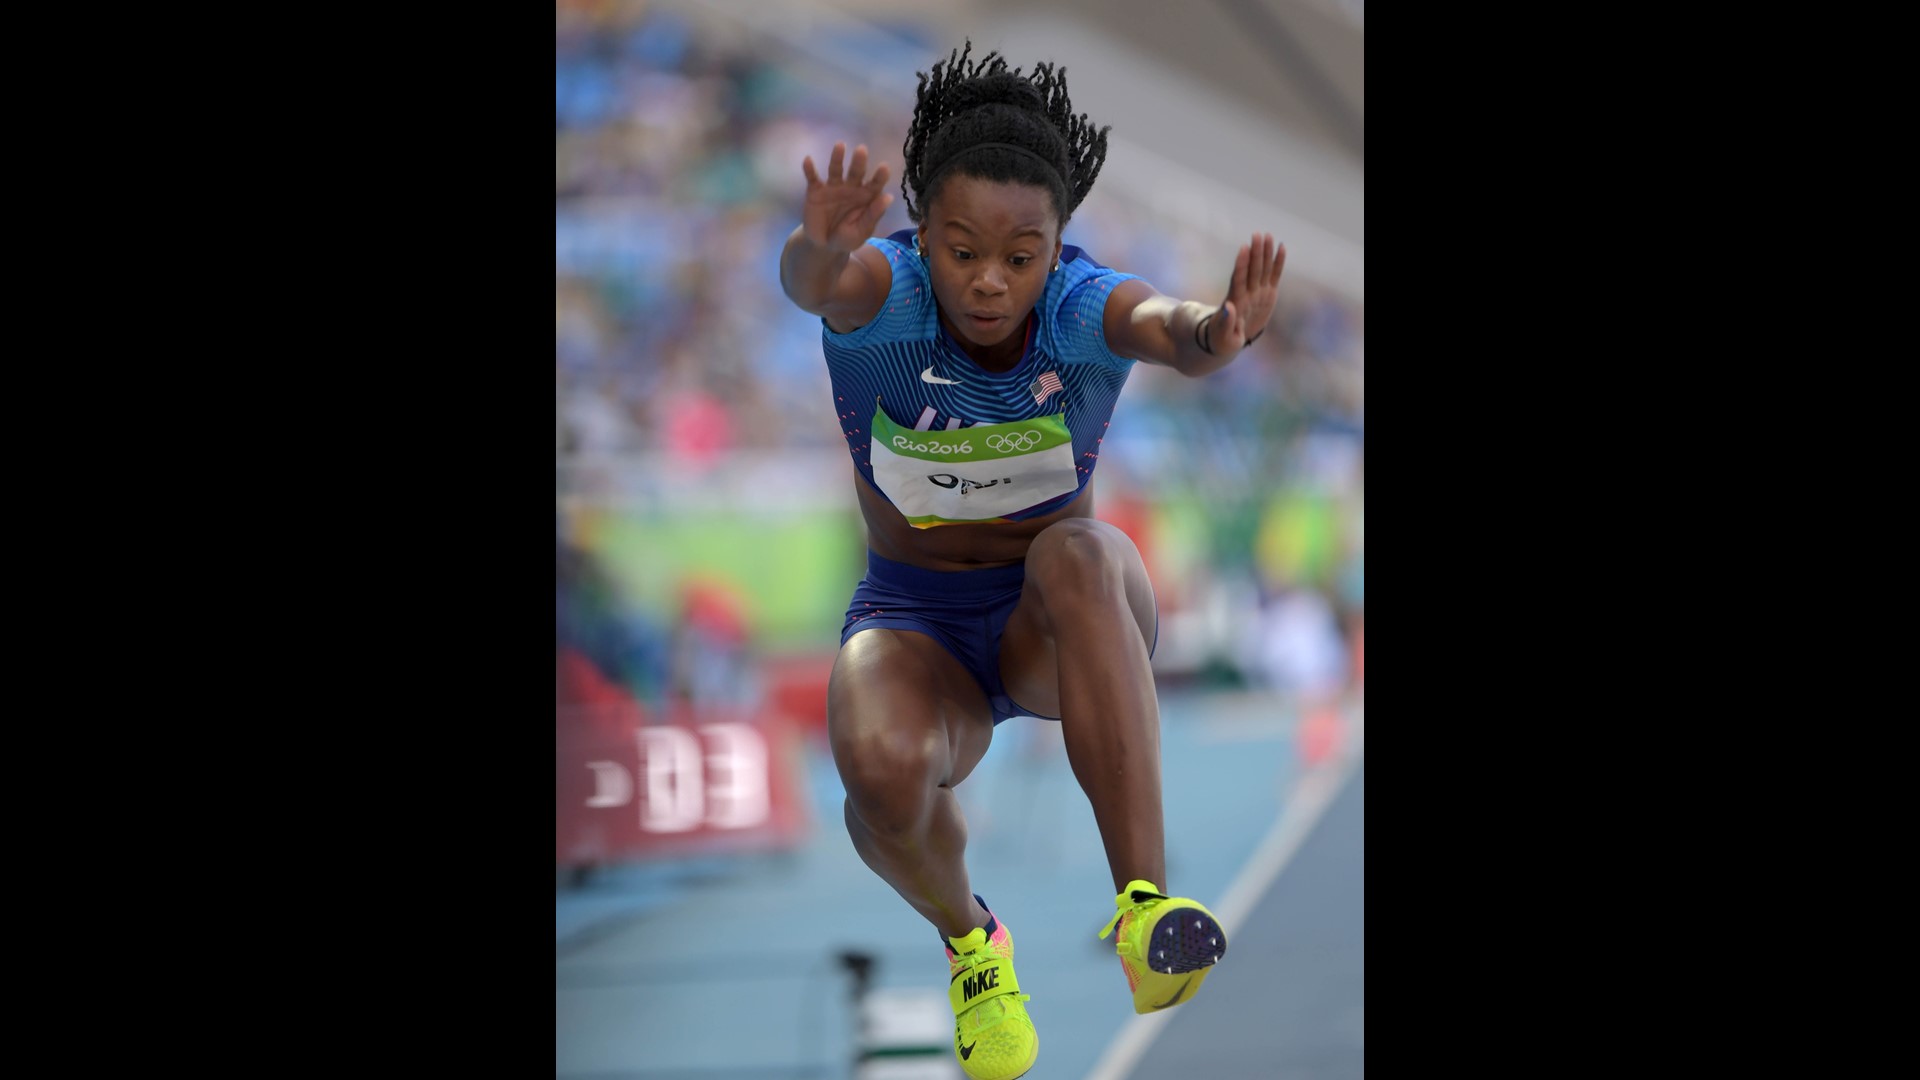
899,704
1073,561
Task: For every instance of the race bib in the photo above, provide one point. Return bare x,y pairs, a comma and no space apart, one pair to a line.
973,474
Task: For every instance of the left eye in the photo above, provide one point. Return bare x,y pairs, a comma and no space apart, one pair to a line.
1022,260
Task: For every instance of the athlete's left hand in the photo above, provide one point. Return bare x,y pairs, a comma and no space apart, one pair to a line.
1250,297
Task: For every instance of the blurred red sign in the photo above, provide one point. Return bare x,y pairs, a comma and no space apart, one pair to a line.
627,788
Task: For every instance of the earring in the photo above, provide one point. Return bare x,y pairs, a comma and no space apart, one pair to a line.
1056,266
917,249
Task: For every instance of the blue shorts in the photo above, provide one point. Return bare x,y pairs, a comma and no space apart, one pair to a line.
964,610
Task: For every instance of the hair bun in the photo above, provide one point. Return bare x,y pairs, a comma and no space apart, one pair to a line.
1000,88
982,104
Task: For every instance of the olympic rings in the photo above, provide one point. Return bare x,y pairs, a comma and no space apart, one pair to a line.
1014,443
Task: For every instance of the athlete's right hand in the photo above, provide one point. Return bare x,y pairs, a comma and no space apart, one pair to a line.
842,210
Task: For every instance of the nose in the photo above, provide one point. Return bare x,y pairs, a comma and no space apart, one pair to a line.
991,281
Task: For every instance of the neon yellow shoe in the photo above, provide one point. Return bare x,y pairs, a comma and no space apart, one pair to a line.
1167,945
992,1035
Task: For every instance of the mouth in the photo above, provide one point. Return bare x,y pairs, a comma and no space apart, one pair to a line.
985,320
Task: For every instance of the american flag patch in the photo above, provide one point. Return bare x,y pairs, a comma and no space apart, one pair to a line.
1045,386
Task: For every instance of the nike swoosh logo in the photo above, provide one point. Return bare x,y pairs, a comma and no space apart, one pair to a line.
967,1051
1175,999
929,376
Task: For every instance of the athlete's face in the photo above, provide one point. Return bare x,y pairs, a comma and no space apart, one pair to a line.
990,247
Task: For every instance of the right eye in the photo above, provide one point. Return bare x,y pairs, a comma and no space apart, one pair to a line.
959,253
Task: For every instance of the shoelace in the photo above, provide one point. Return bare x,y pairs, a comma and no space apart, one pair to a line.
1143,901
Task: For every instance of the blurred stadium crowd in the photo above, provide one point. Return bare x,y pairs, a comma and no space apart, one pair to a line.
677,357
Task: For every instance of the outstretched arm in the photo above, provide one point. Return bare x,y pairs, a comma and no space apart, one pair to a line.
826,267
1191,337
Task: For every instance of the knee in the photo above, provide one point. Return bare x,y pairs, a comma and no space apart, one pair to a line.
889,775
1080,555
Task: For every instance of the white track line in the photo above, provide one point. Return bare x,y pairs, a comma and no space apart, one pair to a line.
1308,802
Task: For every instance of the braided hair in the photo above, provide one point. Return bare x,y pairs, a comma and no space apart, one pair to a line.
979,119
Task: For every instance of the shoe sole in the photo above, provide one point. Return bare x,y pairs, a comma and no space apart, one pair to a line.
1194,946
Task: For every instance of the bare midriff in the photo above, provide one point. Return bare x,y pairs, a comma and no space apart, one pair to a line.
956,547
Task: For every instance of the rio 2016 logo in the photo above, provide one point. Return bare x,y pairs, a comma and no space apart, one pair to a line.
1015,442
901,442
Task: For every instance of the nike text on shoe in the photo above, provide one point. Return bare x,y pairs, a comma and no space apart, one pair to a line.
1167,945
992,1035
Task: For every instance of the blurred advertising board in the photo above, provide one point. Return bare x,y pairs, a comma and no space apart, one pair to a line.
630,785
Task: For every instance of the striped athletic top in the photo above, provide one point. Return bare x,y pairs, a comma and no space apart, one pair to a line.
908,365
